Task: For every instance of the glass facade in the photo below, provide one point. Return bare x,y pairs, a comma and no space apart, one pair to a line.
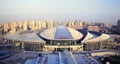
62,43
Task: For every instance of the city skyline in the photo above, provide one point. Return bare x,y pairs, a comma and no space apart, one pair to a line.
59,31
93,11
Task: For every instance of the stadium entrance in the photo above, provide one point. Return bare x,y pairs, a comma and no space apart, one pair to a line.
62,49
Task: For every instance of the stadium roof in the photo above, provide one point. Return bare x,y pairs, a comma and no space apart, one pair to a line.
30,37
102,37
65,33
61,33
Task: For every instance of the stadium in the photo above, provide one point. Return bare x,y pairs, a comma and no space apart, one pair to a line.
57,39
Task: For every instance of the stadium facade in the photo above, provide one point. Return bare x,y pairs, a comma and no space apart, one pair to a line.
57,39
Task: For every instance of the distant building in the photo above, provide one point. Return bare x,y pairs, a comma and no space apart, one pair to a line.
31,25
118,25
5,27
25,25
44,23
109,26
13,27
37,24
64,23
49,24
40,25
20,25
93,28
84,24
78,24
104,25
71,23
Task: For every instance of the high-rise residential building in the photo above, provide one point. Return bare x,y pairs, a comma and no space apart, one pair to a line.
25,25
80,24
64,23
13,27
56,23
77,24
93,28
71,23
40,24
20,25
107,25
49,24
103,25
84,24
5,27
92,23
44,23
118,25
37,24
31,25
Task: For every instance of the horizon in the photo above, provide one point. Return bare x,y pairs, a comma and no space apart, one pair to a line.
100,11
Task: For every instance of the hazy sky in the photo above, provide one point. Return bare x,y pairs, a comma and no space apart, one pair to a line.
107,11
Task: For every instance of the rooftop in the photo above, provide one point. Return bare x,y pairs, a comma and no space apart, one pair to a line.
61,33
64,57
30,37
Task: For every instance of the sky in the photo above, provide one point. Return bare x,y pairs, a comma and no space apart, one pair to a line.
107,11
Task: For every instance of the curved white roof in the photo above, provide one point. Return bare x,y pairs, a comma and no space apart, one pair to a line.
99,38
89,36
30,37
61,33
75,34
48,33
